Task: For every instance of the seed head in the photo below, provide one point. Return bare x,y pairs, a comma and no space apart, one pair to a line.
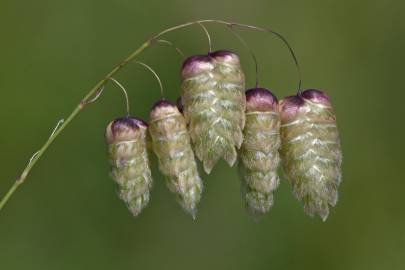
214,105
126,139
259,158
171,144
311,150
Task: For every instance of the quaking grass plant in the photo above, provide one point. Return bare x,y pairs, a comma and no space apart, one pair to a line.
215,118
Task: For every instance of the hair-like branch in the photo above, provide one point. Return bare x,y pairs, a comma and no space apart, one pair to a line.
154,73
208,36
99,92
164,41
252,54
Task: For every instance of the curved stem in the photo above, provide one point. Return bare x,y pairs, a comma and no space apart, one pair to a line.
34,159
73,114
101,90
252,54
164,41
284,40
124,92
155,74
208,37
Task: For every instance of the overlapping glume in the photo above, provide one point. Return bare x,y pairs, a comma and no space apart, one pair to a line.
172,145
311,150
214,106
126,139
258,156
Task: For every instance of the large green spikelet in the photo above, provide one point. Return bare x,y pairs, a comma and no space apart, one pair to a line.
172,145
259,157
311,151
214,106
127,139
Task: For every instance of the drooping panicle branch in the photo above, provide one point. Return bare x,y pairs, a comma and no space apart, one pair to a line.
164,41
99,92
252,54
154,73
284,40
208,37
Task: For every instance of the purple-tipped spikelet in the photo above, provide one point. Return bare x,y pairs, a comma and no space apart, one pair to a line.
172,145
126,139
259,157
214,105
311,150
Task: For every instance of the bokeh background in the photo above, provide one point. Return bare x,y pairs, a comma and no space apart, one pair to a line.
67,214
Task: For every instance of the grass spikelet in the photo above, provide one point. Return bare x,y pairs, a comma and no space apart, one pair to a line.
311,150
259,157
172,145
214,106
126,138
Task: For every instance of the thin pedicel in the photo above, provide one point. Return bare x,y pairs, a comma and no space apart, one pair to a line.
155,74
99,92
208,37
164,41
252,54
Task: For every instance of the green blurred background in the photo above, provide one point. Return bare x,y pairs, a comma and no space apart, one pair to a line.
67,214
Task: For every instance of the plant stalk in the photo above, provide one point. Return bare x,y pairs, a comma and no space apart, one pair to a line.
21,179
